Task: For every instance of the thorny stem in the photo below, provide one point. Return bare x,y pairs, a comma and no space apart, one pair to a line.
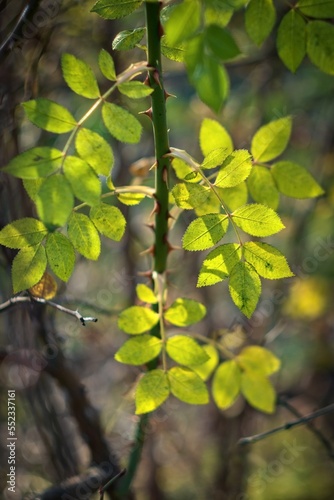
160,246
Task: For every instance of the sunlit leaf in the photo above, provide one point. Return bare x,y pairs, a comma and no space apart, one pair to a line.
187,386
79,76
120,123
22,233
107,65
245,287
204,232
95,150
114,9
218,264
128,39
136,319
206,369
268,262
185,312
295,181
271,140
84,182
84,236
28,267
54,201
60,254
183,21
189,196
257,220
226,384
213,136
186,351
139,350
35,162
49,115
135,89
151,391
146,294
258,360
108,220
235,169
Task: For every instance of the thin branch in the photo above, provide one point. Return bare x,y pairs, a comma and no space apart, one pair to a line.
105,488
310,425
287,426
29,298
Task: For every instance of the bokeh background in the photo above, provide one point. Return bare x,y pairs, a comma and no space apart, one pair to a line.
61,369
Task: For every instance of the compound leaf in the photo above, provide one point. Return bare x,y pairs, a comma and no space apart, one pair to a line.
84,236
257,220
245,287
139,350
258,391
186,351
187,386
49,115
151,391
95,150
60,254
79,76
271,139
258,360
235,169
204,232
28,267
54,201
108,220
218,264
22,233
293,180
185,312
137,319
226,384
35,162
268,262
121,124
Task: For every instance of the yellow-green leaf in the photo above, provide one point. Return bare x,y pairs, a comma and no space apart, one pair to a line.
79,76
235,169
258,360
130,199
226,384
186,351
245,287
214,158
60,254
22,233
187,386
258,391
54,201
268,262
183,22
189,196
185,312
36,162
135,89
234,197
146,294
136,319
206,369
28,267
108,220
84,182
139,350
84,236
49,115
262,187
94,150
295,181
114,9
257,220
271,140
107,66
121,124
218,264
128,39
212,136
204,232
151,391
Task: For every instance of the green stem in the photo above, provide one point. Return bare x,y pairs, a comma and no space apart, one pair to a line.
161,246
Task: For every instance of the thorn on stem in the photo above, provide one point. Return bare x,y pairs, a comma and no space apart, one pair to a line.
148,113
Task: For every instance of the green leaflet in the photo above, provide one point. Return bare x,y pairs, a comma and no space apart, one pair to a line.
262,187
260,18
218,13
151,391
235,169
266,260
114,9
235,196
214,158
211,206
183,170
175,53
291,40
128,39
257,220
186,351
185,312
213,136
79,76
35,162
206,74
136,319
218,264
146,294
49,115
183,22
245,287
108,220
139,350
271,139
22,233
130,199
28,267
121,124
32,186
54,201
258,360
84,182
319,9
226,384
189,196
60,254
320,45
258,391
204,232
107,66
95,150
293,180
135,89
187,386
206,369
221,42
84,236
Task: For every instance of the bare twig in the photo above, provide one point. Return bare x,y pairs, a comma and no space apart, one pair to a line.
29,298
287,426
104,488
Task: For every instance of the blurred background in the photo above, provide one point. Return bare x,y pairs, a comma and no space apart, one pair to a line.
74,402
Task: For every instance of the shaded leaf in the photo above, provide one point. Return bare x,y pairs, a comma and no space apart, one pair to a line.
220,41
114,9
234,197
189,196
183,21
84,236
83,180
320,9
135,89
245,287
214,158
291,40
151,391
49,115
136,319
54,201
183,170
204,232
60,254
262,187
226,384
205,370
139,350
260,18
295,181
175,53
320,45
46,288
32,186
